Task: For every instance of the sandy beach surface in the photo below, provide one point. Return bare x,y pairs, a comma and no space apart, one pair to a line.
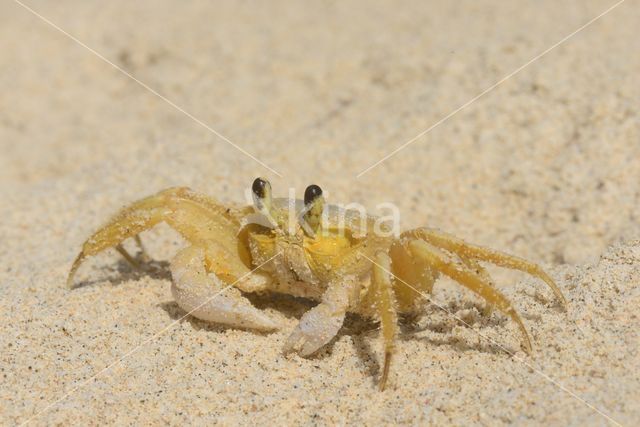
544,165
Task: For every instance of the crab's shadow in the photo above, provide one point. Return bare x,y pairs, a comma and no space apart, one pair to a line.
432,328
292,308
454,342
426,328
429,327
124,272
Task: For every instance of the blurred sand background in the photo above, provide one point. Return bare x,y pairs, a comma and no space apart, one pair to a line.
544,166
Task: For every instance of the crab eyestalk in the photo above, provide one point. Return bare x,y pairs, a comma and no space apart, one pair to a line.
314,204
261,190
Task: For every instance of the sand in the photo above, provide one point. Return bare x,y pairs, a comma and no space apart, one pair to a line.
544,166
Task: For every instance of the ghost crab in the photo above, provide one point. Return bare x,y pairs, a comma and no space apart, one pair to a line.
307,249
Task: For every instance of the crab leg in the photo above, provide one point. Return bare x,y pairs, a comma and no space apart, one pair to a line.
196,217
386,307
501,259
475,266
129,222
127,256
143,252
470,280
206,297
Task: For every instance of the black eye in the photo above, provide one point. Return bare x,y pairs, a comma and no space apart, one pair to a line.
311,193
259,186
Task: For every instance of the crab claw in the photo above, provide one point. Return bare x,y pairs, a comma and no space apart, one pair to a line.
316,328
228,308
205,296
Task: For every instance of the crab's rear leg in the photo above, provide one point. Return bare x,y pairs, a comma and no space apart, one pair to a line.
469,279
204,295
473,252
129,222
475,266
143,251
129,258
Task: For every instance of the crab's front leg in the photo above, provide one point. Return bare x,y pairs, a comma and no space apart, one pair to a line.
320,324
203,295
386,307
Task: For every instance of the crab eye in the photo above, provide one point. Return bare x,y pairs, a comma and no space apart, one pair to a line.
260,187
313,207
311,194
261,190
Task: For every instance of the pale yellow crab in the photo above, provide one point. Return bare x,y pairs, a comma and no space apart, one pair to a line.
343,259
